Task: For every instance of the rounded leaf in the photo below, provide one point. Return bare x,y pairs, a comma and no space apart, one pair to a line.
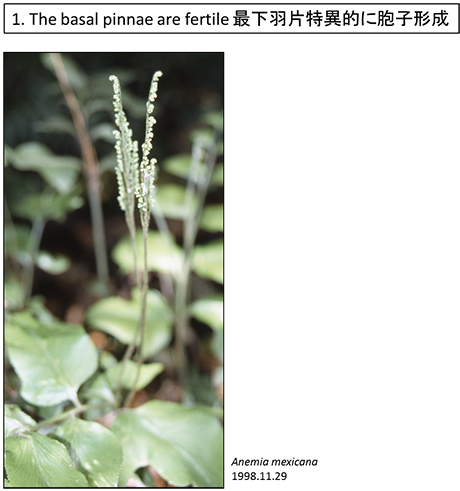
209,310
16,421
218,175
208,260
49,206
212,219
52,360
95,451
37,461
120,318
183,444
171,200
53,264
164,256
178,165
59,171
147,373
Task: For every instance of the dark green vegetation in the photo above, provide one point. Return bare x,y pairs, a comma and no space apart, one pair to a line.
88,402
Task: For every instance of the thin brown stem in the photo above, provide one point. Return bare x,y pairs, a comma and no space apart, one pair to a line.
90,167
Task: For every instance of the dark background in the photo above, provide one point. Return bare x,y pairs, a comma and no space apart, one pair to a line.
191,86
192,83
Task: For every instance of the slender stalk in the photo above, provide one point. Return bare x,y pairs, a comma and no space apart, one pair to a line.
132,233
127,171
182,276
145,290
11,246
65,415
139,332
137,180
166,280
38,226
181,326
195,187
90,168
141,328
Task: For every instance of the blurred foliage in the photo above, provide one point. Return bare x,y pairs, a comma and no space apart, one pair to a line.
191,86
56,361
119,317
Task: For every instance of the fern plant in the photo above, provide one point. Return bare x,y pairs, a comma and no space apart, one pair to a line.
136,181
66,385
68,425
57,193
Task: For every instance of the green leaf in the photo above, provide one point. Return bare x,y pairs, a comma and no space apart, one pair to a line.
209,310
107,360
52,361
208,260
49,206
183,444
16,421
218,175
59,171
147,373
56,124
53,264
94,449
171,200
99,391
120,318
163,256
8,155
17,239
217,345
212,219
203,136
37,461
214,119
37,308
13,427
13,293
179,165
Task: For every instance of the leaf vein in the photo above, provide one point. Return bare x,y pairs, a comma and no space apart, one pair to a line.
182,450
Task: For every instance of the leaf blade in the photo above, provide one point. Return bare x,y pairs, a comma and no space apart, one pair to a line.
120,318
208,260
59,171
36,460
164,256
52,361
95,451
147,373
209,310
185,445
